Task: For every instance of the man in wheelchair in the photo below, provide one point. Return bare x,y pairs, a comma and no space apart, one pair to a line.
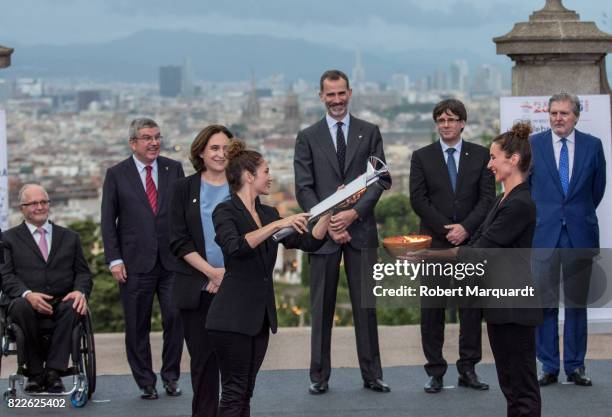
44,276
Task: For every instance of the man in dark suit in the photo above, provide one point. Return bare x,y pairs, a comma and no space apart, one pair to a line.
568,181
332,152
136,244
45,275
451,190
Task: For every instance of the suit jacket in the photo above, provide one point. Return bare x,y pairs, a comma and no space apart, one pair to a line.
246,295
186,236
317,174
510,224
586,189
432,196
130,229
25,269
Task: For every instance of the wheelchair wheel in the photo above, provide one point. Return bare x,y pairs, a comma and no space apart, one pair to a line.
79,398
88,356
9,394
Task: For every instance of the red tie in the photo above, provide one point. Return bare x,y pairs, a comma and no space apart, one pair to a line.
151,190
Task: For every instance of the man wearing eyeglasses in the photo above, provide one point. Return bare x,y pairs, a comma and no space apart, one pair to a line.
45,275
568,181
451,190
135,200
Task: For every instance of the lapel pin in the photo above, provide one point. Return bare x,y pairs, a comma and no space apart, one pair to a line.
166,168
195,200
466,154
360,136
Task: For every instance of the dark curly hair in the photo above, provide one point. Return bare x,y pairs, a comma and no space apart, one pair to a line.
516,141
201,140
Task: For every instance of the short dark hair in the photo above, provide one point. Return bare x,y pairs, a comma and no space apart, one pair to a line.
201,140
453,105
240,159
333,75
516,141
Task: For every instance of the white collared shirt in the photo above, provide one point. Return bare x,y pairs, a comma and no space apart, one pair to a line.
456,155
142,171
571,146
333,128
36,235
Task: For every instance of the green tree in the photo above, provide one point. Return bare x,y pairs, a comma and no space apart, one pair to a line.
395,216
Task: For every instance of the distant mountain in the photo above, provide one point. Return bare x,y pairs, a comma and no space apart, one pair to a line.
220,58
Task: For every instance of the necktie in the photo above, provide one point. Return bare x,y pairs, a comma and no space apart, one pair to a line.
452,167
42,243
151,190
340,147
564,166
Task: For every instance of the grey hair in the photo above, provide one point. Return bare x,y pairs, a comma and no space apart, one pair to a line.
572,98
25,187
140,123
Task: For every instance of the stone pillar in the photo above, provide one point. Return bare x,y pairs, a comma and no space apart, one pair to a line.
5,56
555,51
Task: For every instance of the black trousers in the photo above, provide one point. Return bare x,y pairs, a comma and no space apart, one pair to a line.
324,274
514,350
137,300
204,366
240,357
64,318
432,339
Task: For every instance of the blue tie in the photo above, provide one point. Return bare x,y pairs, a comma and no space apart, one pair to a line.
564,166
452,167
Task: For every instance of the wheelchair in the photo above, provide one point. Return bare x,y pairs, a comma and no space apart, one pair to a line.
83,358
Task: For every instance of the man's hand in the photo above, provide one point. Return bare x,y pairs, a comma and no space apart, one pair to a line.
119,273
457,234
340,237
341,221
37,300
216,277
80,302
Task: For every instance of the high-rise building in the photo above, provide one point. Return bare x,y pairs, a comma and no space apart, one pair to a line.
400,84
85,98
187,85
358,78
291,116
170,80
488,81
252,111
459,75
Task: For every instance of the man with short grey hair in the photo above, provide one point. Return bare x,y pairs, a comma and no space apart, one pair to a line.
567,181
135,225
45,275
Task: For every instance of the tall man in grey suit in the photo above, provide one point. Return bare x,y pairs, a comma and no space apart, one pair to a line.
45,275
332,152
136,244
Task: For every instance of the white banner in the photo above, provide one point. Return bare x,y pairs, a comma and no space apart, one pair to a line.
595,120
4,191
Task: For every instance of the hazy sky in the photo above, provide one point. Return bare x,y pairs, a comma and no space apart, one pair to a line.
366,24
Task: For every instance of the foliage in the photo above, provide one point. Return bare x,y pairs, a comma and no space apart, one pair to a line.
395,216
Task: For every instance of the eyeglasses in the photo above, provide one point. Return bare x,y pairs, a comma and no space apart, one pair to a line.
42,203
149,139
450,122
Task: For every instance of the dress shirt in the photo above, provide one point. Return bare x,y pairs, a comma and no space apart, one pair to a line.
36,236
333,128
457,153
142,171
571,146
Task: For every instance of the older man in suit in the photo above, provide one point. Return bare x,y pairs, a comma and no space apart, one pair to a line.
136,244
330,153
568,181
451,190
45,276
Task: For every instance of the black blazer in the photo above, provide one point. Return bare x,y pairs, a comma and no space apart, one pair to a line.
24,268
186,236
130,229
246,295
317,174
432,196
509,224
